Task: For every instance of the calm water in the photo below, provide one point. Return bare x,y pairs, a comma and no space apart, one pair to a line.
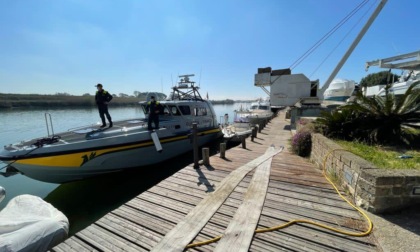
84,201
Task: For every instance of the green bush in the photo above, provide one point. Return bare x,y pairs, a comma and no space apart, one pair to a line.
375,120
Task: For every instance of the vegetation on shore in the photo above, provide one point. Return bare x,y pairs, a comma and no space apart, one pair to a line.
382,130
8,101
384,157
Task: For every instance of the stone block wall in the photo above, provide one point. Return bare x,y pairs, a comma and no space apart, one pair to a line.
377,190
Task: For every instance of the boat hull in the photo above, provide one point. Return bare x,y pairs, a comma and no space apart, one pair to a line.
111,161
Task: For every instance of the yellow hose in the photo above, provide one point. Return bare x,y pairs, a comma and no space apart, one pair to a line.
262,230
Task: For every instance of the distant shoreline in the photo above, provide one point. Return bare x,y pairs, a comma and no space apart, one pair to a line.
25,101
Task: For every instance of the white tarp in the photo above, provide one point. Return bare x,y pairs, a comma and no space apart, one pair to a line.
28,223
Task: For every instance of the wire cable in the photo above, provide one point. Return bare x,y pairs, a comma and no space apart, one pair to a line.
341,41
327,35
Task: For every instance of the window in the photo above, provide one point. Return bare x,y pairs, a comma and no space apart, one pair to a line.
185,110
200,111
166,110
174,110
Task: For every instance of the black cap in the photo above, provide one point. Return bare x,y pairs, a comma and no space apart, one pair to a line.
152,97
98,85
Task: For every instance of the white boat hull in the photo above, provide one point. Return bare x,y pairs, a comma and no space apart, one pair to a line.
111,162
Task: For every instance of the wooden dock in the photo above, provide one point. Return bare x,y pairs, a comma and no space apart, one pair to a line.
274,187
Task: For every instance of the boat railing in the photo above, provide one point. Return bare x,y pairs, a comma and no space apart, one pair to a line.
82,127
49,124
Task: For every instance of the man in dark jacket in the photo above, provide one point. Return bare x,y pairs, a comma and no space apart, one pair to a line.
102,99
154,108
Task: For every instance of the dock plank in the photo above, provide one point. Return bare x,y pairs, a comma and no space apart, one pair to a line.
239,233
188,228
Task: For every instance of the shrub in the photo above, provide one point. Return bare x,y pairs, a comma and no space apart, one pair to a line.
301,143
375,120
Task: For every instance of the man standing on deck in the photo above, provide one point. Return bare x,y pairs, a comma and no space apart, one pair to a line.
154,108
102,99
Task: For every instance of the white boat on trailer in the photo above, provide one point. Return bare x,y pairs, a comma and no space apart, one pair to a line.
88,151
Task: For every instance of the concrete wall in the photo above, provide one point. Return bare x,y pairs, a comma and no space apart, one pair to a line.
377,190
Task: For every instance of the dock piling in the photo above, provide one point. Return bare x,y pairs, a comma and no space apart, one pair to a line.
222,150
243,141
206,156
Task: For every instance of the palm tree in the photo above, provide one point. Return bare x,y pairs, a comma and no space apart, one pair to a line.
380,119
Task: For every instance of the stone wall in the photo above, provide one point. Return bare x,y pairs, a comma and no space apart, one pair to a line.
377,190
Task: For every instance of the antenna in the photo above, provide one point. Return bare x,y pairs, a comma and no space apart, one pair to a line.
161,84
199,80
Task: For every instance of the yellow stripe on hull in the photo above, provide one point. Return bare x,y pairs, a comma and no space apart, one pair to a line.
75,160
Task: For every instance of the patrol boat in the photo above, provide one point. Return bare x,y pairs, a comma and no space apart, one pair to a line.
88,151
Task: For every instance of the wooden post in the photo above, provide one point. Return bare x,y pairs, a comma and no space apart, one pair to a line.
259,127
222,150
206,156
256,131
243,141
253,133
195,145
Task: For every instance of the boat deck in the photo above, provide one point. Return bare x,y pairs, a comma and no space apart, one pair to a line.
162,217
80,133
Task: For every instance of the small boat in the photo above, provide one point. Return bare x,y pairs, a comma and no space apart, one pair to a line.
257,113
236,131
28,223
90,151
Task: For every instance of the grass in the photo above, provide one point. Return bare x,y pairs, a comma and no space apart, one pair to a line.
384,157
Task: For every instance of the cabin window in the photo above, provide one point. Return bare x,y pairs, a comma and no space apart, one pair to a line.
200,111
264,107
185,110
174,110
254,107
166,110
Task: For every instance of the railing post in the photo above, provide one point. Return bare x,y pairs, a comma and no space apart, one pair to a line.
243,141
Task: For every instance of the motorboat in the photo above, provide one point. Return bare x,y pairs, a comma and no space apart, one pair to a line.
235,131
90,151
339,90
257,113
401,86
409,63
28,223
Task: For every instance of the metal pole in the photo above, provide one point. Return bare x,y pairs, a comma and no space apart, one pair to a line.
352,46
195,145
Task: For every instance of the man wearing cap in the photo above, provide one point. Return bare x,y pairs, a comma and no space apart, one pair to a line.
154,108
102,99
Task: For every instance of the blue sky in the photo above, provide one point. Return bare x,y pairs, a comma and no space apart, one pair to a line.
53,46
